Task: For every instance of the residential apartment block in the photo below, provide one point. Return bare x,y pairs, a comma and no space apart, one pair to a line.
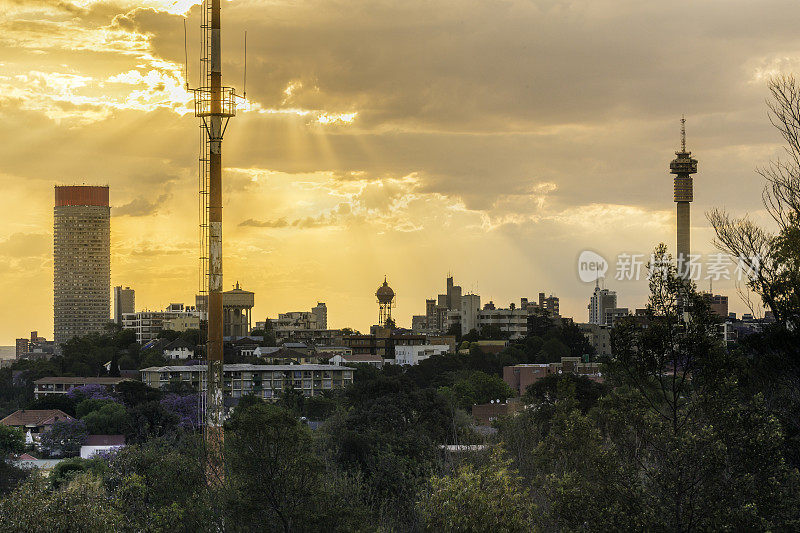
148,324
64,384
264,381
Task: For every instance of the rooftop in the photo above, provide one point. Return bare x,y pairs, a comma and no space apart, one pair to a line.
35,417
69,380
240,367
105,440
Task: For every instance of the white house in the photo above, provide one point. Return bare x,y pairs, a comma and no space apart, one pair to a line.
179,349
350,359
100,444
412,355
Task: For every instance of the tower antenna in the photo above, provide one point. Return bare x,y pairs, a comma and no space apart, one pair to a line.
244,82
683,133
185,57
214,105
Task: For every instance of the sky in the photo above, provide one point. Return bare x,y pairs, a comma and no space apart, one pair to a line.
495,140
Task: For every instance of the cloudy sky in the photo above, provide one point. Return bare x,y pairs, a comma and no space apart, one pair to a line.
492,139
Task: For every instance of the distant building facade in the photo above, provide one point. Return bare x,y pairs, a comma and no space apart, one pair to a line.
64,384
264,381
512,321
124,302
599,336
81,261
520,377
411,355
35,347
148,324
600,301
237,307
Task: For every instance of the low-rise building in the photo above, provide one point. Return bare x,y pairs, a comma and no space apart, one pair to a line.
99,444
487,413
351,359
412,355
34,422
520,377
183,323
64,384
179,349
264,381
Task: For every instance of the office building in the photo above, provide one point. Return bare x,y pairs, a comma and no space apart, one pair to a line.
81,261
124,302
601,300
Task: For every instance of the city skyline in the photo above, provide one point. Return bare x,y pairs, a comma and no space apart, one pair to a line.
337,177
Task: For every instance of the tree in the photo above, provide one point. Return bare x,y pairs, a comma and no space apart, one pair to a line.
12,441
133,393
168,334
149,420
545,390
455,330
81,505
160,486
62,402
773,260
279,479
68,469
64,438
109,419
477,388
87,406
490,497
186,407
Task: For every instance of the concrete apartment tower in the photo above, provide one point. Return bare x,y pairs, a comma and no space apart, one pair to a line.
124,302
81,261
683,167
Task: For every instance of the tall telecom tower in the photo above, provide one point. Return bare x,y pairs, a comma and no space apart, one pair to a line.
214,104
683,167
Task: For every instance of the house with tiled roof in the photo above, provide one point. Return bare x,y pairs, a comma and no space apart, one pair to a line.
34,422
99,444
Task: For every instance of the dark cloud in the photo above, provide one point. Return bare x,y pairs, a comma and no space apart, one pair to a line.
141,206
301,223
250,222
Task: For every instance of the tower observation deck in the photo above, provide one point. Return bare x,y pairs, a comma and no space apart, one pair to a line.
683,166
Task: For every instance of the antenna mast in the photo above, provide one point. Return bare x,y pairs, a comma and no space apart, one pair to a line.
214,104
683,133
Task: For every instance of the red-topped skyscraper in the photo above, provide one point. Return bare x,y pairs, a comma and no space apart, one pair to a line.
81,261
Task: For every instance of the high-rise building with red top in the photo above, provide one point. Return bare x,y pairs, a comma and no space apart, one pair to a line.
81,261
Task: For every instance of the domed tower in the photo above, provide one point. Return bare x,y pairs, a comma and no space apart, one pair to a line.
385,296
683,167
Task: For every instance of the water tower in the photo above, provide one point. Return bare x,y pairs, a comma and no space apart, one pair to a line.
385,296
